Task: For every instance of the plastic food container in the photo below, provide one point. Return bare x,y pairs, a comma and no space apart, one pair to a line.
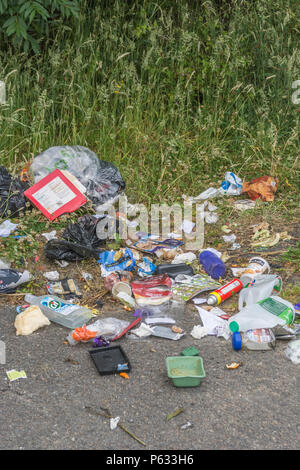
185,371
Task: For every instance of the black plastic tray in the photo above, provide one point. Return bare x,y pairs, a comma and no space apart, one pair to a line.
107,360
173,270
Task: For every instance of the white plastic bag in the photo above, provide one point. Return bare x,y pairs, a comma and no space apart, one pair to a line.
260,288
293,351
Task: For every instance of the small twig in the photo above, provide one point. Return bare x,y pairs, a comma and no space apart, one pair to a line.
109,416
257,253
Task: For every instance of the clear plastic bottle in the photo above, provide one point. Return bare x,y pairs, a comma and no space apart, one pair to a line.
60,311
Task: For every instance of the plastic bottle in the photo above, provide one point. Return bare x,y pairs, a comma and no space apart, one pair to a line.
256,266
266,313
60,311
212,265
217,296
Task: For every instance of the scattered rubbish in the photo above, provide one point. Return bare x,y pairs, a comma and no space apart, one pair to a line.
214,325
50,235
233,365
52,275
15,375
111,279
232,185
107,415
110,360
80,241
177,329
267,313
65,287
174,413
10,279
245,204
128,328
235,246
100,342
154,290
55,195
143,331
260,288
157,247
293,351
297,309
30,320
6,228
229,238
102,180
188,257
61,264
226,229
61,311
199,332
12,199
146,268
112,261
262,339
113,423
263,187
265,239
187,425
185,371
220,313
199,300
256,266
236,341
187,226
174,270
190,351
219,295
72,361
187,287
124,375
212,264
167,333
108,328
87,276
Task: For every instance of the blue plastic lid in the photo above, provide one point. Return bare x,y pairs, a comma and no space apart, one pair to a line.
237,340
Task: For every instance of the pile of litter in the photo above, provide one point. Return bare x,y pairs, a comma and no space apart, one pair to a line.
152,277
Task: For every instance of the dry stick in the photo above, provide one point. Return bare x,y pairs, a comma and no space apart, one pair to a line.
109,416
258,253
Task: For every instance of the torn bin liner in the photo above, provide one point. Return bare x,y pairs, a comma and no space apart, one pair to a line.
12,199
10,279
80,241
102,179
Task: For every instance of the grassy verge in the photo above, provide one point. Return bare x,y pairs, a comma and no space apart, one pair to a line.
174,94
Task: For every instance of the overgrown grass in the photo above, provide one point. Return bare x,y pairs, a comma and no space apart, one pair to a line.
174,93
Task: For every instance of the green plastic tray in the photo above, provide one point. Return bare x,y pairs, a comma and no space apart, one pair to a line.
185,371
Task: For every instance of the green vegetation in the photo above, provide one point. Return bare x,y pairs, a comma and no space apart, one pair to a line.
173,92
26,22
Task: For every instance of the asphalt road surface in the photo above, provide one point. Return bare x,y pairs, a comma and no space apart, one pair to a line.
249,408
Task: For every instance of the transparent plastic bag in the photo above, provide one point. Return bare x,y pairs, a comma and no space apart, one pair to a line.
293,351
102,179
107,327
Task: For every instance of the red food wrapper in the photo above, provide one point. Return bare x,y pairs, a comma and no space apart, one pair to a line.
263,187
